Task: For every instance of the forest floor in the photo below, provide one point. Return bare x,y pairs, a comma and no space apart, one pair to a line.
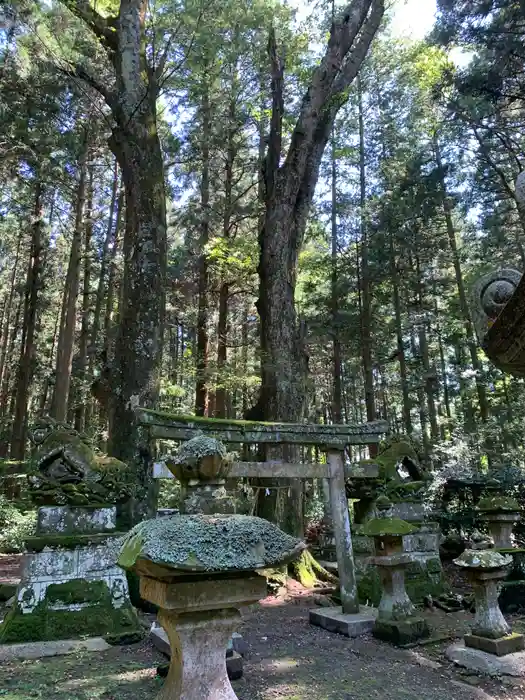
288,659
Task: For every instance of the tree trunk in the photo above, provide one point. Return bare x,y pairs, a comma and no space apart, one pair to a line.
429,373
336,342
8,311
394,274
82,359
288,192
66,335
222,324
201,391
138,344
27,348
467,321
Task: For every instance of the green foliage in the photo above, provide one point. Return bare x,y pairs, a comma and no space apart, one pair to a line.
15,526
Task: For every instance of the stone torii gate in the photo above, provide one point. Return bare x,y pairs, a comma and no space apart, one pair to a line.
332,439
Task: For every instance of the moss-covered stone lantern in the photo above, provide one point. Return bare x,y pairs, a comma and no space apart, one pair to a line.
491,632
199,570
501,513
397,620
202,465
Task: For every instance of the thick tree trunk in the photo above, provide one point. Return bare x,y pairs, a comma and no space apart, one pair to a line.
289,189
138,344
66,335
27,349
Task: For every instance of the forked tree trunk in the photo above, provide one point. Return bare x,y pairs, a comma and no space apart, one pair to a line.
289,190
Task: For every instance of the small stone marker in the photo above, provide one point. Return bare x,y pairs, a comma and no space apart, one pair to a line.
491,637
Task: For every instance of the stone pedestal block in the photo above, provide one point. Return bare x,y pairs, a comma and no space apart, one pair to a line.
401,632
334,620
499,647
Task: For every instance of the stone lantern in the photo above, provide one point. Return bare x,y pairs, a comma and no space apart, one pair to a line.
501,513
397,620
202,465
199,570
490,632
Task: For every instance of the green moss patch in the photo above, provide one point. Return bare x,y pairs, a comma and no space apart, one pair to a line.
99,618
39,543
387,526
77,590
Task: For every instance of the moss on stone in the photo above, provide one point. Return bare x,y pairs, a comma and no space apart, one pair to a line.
46,624
7,591
378,527
498,504
202,457
209,543
76,591
40,542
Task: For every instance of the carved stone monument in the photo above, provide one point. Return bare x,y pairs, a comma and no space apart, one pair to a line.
71,586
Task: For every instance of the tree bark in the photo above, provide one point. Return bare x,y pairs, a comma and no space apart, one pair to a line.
27,348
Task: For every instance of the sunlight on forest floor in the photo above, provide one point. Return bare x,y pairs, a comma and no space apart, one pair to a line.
288,660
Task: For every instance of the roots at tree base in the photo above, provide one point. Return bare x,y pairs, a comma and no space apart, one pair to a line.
309,572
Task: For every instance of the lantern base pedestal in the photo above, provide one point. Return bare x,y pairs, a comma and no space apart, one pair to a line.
401,632
334,620
499,647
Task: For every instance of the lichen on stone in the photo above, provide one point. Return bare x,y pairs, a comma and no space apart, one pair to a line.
482,559
208,543
380,527
203,457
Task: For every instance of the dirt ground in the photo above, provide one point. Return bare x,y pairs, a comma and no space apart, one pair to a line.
288,659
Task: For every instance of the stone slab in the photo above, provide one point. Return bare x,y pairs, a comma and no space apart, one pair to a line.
38,650
67,520
334,620
500,647
482,662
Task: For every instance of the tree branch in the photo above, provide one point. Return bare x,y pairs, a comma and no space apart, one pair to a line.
103,28
271,163
358,53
